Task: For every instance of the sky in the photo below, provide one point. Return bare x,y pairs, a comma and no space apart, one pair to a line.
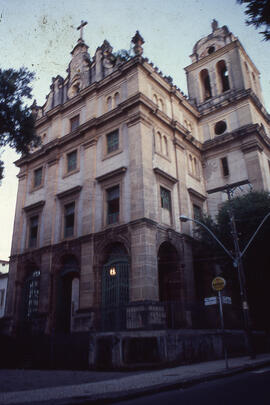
40,34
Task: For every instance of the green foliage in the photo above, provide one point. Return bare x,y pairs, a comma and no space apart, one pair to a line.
16,120
249,210
258,12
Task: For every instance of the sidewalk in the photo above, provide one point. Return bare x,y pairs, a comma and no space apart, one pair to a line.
102,387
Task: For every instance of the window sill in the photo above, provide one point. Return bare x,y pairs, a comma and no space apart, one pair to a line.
30,249
33,189
163,156
109,155
198,178
67,174
68,238
108,226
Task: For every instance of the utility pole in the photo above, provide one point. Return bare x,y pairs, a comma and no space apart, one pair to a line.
229,189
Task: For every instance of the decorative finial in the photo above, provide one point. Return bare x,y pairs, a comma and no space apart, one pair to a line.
83,23
214,25
138,41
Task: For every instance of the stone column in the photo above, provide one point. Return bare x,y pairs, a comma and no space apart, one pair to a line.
188,279
144,273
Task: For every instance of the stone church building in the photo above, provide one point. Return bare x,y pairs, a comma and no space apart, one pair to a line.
98,248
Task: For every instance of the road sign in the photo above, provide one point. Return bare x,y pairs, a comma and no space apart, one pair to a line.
210,301
226,300
213,300
218,283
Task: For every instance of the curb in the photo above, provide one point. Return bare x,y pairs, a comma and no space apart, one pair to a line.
109,398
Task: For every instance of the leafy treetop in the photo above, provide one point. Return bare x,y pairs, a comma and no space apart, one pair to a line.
16,119
258,12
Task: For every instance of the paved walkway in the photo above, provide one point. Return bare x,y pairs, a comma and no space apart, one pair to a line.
77,387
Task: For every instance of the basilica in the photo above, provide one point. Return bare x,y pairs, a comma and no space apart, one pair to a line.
99,254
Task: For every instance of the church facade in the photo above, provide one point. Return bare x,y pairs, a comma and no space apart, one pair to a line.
97,245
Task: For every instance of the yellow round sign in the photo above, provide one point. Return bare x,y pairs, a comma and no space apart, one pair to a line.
218,283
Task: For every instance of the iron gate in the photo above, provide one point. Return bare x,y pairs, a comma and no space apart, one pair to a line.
115,295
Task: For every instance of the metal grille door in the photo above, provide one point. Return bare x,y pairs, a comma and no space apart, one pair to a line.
115,295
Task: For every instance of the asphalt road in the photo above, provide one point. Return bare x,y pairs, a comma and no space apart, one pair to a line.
250,388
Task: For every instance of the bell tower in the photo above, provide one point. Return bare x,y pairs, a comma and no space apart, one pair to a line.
224,85
220,68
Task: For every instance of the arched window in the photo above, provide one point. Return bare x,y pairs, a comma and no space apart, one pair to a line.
223,76
159,142
169,277
116,99
155,99
109,103
165,145
206,85
190,164
67,293
196,167
161,104
31,289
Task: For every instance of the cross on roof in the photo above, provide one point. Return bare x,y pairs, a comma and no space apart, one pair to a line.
83,23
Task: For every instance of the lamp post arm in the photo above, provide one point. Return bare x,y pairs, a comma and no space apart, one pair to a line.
255,233
214,236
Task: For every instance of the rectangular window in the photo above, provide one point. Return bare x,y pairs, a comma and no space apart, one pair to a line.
165,196
197,212
71,161
37,181
69,219
113,205
225,166
33,231
74,123
112,141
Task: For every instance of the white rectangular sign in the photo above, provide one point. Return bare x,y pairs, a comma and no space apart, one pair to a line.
210,301
213,300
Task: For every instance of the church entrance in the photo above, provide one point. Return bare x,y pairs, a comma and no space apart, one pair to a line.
115,288
67,294
169,278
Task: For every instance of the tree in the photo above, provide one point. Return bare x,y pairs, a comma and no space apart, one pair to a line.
249,210
258,12
16,119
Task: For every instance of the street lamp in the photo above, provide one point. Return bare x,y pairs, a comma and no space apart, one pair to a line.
184,218
237,262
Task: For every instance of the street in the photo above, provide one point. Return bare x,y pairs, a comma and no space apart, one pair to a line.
248,388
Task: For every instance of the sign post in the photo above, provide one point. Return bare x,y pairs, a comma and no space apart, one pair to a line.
218,284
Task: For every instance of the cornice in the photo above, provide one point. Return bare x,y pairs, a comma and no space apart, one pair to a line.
231,98
165,175
197,194
213,56
93,87
241,135
71,191
35,206
113,173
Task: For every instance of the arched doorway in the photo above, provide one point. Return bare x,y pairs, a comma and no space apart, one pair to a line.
31,294
115,287
169,278
67,293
